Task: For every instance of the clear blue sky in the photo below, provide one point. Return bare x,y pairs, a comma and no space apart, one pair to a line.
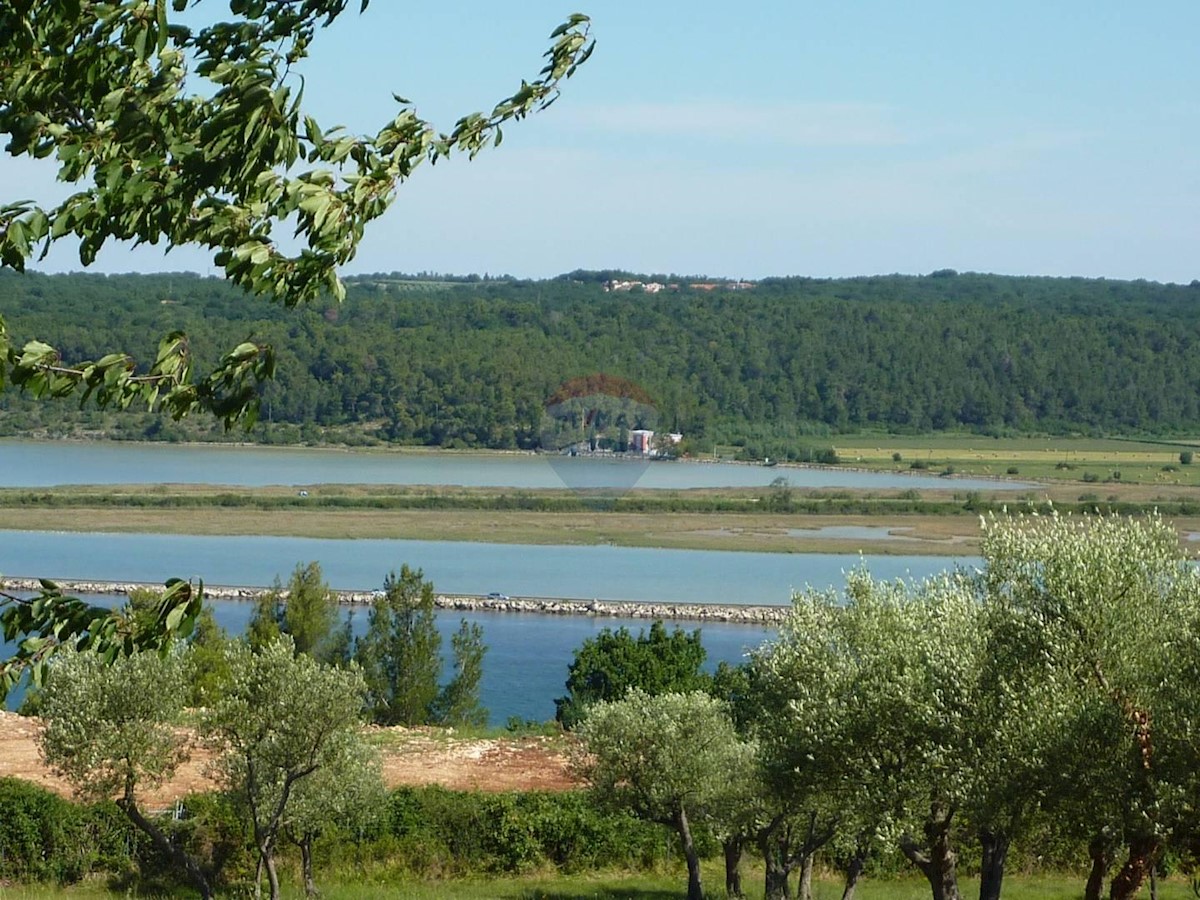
778,138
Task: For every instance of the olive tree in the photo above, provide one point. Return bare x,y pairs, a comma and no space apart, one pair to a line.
870,717
1111,604
182,134
801,683
667,758
279,720
110,730
345,795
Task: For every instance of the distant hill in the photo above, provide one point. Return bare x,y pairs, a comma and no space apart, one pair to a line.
468,361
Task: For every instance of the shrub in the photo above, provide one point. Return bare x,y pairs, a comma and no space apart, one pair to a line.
47,838
1185,457
439,831
1013,470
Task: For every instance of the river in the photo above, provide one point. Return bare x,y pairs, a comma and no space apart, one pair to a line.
526,663
455,567
49,463
518,680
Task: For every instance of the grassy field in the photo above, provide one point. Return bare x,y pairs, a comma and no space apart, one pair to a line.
909,535
1053,458
941,525
619,886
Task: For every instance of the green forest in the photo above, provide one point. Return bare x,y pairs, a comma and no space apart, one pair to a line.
473,362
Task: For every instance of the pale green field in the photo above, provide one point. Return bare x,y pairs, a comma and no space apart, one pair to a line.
1054,458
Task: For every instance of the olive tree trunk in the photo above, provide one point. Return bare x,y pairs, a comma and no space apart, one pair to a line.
854,870
774,849
1100,850
991,869
695,891
804,888
176,854
939,863
734,848
1143,851
306,866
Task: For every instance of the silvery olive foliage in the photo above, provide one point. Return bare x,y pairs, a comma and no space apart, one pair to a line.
110,724
665,757
111,731
177,134
283,718
1061,680
1106,610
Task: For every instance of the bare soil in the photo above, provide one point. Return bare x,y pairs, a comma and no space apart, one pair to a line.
410,757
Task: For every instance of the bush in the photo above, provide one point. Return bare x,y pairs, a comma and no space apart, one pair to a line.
47,838
438,831
1185,457
1013,470
896,457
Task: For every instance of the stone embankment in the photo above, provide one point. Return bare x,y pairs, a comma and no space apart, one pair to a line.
624,609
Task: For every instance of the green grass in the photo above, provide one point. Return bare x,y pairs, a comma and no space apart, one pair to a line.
1055,459
615,886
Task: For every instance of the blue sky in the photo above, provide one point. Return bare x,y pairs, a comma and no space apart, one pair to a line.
777,138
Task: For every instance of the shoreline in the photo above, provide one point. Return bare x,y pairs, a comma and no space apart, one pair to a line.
552,606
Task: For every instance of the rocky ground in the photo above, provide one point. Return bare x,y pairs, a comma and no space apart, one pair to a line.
410,757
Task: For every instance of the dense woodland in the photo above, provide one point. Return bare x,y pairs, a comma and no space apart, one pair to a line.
472,362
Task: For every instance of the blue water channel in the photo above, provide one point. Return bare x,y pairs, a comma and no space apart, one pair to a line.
525,667
528,654
49,463
572,572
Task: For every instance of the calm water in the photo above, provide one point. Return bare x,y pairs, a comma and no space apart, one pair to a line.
583,572
528,654
48,463
518,680
527,659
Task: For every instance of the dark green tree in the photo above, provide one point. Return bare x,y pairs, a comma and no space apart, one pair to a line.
310,615
607,666
458,701
210,666
400,653
266,622
307,610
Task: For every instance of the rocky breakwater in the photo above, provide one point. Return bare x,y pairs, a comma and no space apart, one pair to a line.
622,609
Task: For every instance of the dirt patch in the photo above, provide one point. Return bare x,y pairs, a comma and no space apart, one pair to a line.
410,757
421,756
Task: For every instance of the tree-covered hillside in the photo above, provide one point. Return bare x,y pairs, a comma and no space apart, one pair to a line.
473,362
